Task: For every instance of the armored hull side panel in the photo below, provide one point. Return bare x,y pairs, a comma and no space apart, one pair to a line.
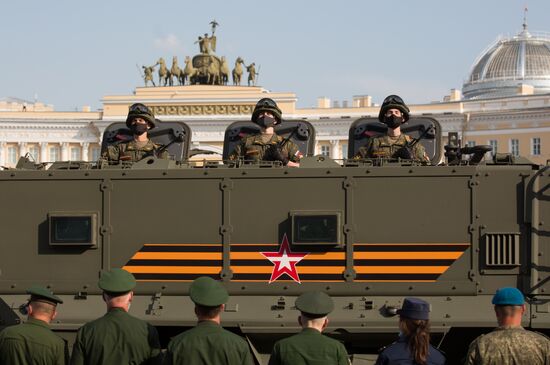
451,235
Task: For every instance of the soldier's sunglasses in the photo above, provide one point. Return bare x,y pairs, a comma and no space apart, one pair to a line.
267,103
393,99
139,108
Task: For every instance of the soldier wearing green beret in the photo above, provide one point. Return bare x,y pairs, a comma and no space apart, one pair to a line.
208,343
509,343
33,342
267,145
140,120
310,346
117,337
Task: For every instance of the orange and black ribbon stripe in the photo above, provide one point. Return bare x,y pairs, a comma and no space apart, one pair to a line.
372,262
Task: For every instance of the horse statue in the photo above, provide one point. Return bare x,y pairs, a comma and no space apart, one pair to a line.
176,71
224,72
238,71
213,72
164,73
189,72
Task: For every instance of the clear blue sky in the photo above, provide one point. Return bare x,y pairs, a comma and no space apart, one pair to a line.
72,53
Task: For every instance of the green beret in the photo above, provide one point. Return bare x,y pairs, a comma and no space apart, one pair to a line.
208,292
41,294
315,304
117,281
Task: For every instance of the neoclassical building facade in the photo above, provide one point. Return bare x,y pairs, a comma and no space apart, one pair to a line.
518,124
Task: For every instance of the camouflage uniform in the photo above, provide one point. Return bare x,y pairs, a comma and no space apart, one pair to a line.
131,152
509,346
253,148
387,147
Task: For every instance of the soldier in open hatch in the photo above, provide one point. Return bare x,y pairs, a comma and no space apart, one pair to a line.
117,337
393,113
33,342
267,145
208,343
140,120
509,343
310,346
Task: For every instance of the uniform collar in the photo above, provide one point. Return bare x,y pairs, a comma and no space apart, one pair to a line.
147,147
402,338
274,139
399,139
37,322
502,328
207,323
311,331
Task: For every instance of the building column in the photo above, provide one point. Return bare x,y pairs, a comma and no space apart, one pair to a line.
65,151
334,149
43,151
85,151
2,153
22,149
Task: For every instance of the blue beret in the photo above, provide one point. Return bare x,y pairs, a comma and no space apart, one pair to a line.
508,296
414,308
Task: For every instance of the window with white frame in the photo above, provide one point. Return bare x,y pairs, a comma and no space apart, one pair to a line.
12,154
325,150
514,147
95,153
535,146
54,153
75,153
344,150
34,151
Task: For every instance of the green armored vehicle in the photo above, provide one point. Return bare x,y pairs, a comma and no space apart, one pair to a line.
368,232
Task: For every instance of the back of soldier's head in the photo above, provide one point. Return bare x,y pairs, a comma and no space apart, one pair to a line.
209,296
207,312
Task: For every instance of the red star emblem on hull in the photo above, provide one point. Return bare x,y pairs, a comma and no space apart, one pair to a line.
284,261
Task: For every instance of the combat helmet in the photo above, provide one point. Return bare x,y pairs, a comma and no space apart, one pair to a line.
267,105
139,110
393,102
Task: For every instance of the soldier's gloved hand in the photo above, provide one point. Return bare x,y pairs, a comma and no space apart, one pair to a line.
405,153
278,155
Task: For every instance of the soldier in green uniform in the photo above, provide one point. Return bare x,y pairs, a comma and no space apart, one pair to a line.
393,112
117,337
509,343
140,120
208,343
267,145
33,342
310,346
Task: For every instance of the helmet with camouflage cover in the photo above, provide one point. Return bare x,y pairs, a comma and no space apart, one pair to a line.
139,110
393,102
267,105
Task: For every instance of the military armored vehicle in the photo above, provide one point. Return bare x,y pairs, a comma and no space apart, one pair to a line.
368,232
